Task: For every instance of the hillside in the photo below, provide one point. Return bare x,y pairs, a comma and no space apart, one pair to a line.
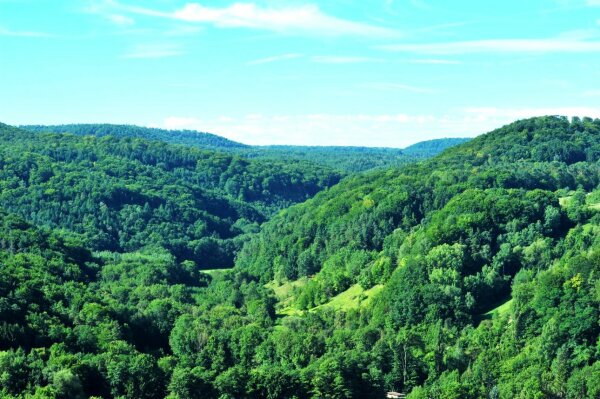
124,194
76,325
544,153
451,239
355,159
470,275
343,159
430,148
185,137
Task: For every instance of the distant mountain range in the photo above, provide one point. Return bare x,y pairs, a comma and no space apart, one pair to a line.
342,158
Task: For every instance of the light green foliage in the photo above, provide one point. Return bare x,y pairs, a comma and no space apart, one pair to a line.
344,159
125,194
465,276
352,298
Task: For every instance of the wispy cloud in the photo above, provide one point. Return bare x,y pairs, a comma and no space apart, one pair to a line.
396,86
320,59
106,9
507,46
393,129
591,93
420,4
511,114
435,61
310,129
275,58
13,33
119,19
301,19
183,30
178,123
332,59
438,27
154,51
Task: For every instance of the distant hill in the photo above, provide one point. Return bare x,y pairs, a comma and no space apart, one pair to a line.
186,137
357,159
342,158
124,193
431,148
346,159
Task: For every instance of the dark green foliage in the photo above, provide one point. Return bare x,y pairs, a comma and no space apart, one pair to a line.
362,211
354,159
126,194
430,148
485,263
346,159
184,137
458,232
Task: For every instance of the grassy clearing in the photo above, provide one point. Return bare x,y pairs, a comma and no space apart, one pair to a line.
564,201
285,294
591,202
500,310
352,298
286,290
213,272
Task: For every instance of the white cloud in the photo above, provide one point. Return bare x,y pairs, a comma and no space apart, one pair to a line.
420,4
183,30
274,58
104,9
178,123
396,86
511,114
119,19
312,129
320,59
389,130
591,93
9,32
509,46
331,59
154,51
301,19
434,61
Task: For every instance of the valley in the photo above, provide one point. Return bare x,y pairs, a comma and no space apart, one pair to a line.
138,264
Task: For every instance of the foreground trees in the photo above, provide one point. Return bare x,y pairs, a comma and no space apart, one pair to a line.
476,273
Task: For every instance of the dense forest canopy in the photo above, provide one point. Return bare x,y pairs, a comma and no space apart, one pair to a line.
470,275
355,159
431,148
124,194
189,138
343,159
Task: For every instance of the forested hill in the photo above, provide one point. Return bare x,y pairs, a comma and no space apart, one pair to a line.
471,275
430,148
547,153
344,159
123,194
433,248
354,159
185,137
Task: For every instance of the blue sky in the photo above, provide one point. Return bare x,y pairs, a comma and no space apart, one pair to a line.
341,72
